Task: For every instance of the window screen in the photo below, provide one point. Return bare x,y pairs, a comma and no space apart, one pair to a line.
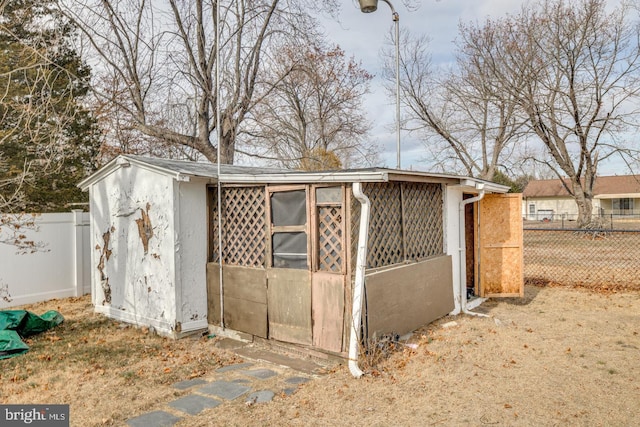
290,250
288,227
289,208
329,195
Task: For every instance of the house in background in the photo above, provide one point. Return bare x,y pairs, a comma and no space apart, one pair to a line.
548,199
311,258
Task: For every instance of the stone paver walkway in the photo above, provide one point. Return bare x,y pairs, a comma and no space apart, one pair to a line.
256,383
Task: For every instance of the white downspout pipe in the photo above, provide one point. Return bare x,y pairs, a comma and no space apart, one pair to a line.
361,262
463,254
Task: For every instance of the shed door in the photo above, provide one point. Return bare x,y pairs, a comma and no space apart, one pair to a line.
329,267
499,260
288,275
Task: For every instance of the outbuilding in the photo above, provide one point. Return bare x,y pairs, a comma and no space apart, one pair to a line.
311,258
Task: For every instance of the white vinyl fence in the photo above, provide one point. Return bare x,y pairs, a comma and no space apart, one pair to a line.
59,269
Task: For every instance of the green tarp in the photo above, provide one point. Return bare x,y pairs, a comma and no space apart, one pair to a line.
17,324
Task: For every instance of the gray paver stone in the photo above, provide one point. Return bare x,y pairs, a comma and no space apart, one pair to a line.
262,374
234,367
289,391
297,380
193,404
260,396
183,385
155,418
225,389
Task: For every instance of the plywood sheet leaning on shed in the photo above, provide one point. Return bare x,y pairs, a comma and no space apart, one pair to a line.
500,246
402,299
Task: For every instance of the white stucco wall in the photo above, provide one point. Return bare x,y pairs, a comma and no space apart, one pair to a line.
191,235
142,283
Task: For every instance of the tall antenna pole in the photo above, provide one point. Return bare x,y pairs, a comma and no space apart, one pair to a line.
219,138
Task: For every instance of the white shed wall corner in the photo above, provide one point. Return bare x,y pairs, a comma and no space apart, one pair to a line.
191,255
452,200
132,234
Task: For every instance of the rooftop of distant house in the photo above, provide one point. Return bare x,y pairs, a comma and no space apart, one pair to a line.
604,186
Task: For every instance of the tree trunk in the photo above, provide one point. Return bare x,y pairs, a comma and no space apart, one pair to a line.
584,200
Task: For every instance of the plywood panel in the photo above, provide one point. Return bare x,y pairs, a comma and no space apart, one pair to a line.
402,299
245,316
245,298
289,305
327,310
213,293
500,246
245,283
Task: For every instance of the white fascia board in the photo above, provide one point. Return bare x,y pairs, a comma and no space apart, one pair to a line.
474,184
158,169
122,161
303,178
100,174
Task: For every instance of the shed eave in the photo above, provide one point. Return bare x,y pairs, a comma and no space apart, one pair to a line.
123,161
305,177
480,184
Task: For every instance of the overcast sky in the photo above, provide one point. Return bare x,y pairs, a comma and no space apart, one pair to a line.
363,35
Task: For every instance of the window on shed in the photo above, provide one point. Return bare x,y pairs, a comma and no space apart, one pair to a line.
330,240
289,229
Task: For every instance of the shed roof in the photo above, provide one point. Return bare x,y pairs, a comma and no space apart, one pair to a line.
604,187
185,170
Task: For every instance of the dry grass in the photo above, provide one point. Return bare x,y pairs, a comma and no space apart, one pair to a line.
558,356
106,370
577,259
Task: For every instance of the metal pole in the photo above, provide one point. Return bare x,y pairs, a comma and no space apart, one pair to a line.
219,138
396,19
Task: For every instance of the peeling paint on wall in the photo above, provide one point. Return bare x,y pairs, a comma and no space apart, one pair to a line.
104,257
145,229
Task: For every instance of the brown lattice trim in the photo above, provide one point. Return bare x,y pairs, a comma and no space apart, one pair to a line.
244,232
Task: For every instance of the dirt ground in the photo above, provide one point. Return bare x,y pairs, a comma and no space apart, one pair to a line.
557,356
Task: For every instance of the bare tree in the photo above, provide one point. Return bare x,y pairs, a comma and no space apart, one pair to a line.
573,68
465,121
313,117
158,61
47,136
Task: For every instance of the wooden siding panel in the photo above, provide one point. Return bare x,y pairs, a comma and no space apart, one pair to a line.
245,298
328,309
245,283
289,305
402,299
245,316
213,293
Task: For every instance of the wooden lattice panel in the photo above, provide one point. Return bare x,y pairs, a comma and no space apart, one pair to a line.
330,238
355,229
385,224
244,238
423,221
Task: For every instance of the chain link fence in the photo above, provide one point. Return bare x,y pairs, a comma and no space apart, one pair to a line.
610,221
603,258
